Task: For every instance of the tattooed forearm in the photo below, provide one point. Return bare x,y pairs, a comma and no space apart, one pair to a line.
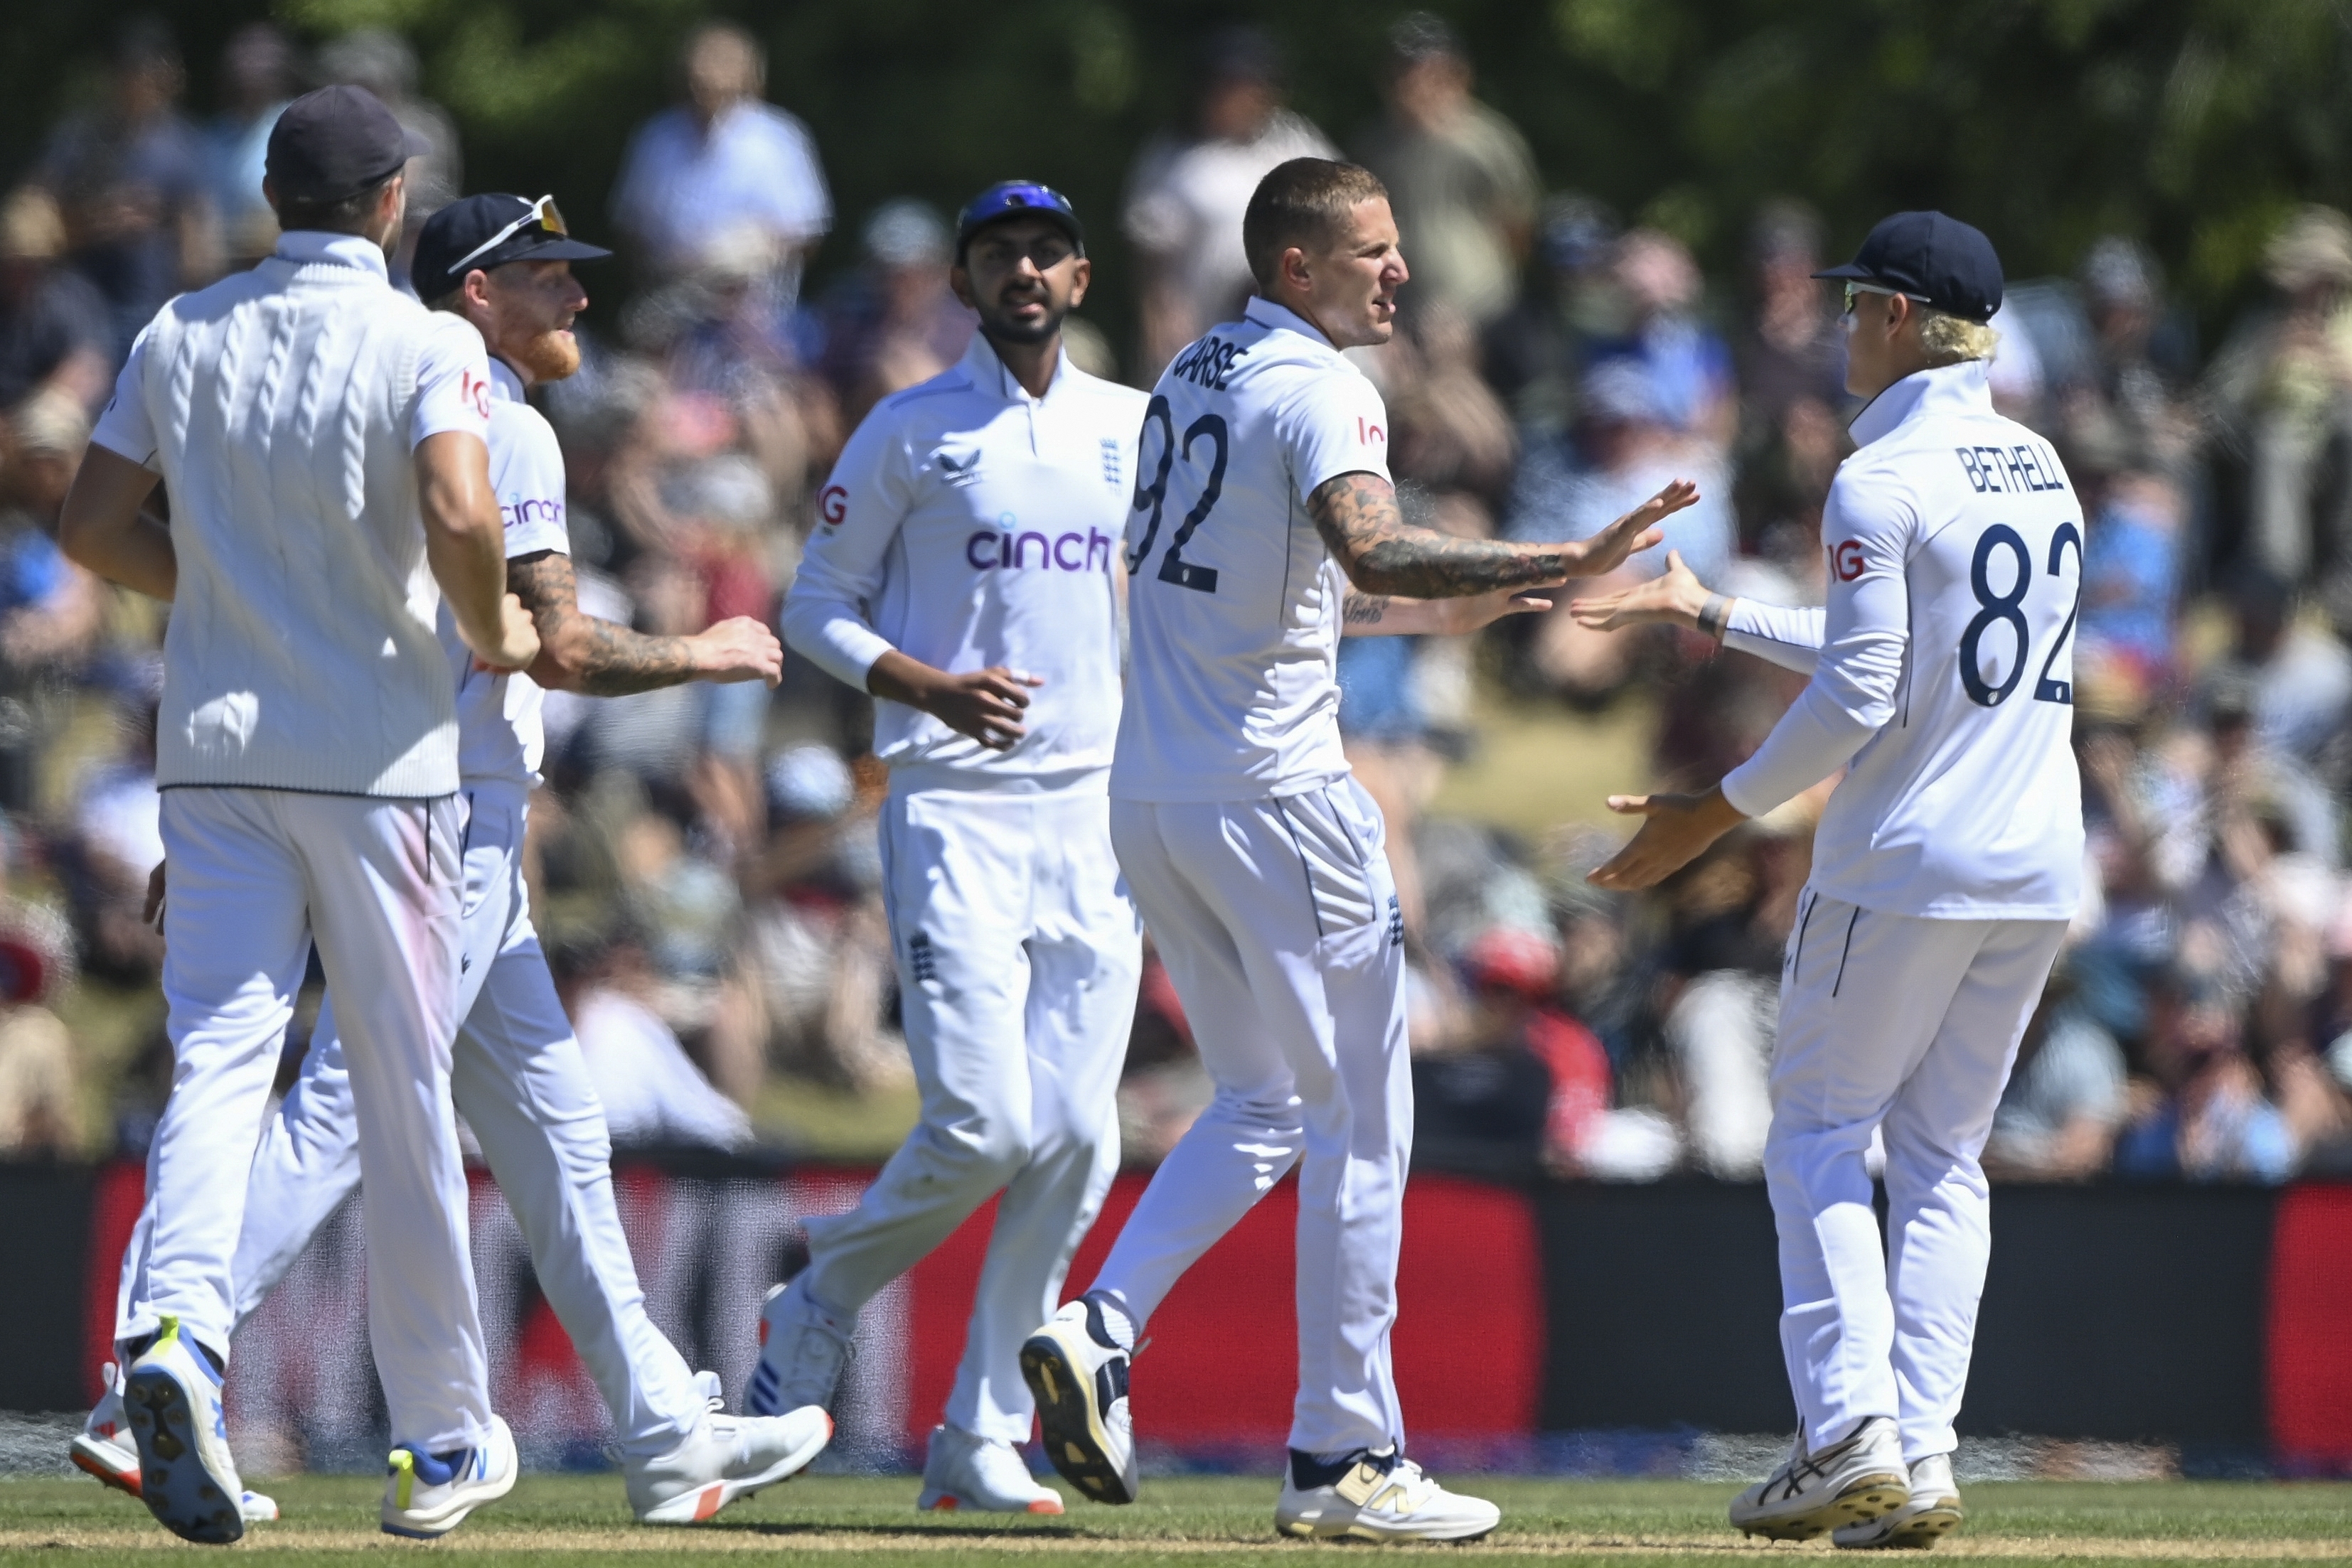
1359,609
583,652
1383,554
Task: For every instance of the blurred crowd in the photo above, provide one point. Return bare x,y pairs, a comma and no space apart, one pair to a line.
703,861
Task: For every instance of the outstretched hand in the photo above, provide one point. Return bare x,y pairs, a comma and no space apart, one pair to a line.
1636,530
1676,596
1675,830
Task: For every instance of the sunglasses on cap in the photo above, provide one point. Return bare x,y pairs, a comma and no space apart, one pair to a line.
543,213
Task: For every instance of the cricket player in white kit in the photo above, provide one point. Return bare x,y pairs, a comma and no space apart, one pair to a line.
964,572
323,439
1257,861
1946,867
504,264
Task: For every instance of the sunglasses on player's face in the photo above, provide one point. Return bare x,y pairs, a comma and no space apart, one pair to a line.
540,211
1852,290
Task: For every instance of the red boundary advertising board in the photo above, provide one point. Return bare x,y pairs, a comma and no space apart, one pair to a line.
1222,1362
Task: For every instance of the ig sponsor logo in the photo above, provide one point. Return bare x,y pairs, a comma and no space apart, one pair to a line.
833,504
1845,559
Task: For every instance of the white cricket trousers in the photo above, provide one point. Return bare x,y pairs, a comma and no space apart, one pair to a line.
517,1077
1018,954
257,875
1907,1027
1278,921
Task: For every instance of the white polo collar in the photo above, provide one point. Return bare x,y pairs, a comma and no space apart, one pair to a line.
988,371
1963,388
505,385
308,246
1266,313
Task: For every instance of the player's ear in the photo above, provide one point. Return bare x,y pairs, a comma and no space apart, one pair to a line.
1080,275
959,283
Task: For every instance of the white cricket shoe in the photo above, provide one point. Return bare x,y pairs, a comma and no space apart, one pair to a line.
428,1495
1372,1503
985,1473
724,1458
1813,1493
803,1349
103,1449
1078,1374
1931,1512
186,1477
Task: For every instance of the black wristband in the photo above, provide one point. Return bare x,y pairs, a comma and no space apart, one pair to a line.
1715,616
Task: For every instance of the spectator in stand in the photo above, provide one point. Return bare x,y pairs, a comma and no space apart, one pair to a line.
382,62
130,180
723,166
1187,189
2066,1097
651,1092
2198,1110
1790,361
2297,677
39,1115
1689,367
258,71
2141,360
1536,354
896,322
1461,180
2279,396
1626,438
49,608
56,332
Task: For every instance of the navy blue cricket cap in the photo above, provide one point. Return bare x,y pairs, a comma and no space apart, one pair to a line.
1939,261
335,142
488,230
1018,199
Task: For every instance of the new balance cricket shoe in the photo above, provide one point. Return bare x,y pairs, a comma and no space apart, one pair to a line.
983,1473
429,1495
724,1458
1814,1492
1930,1514
103,1449
803,1349
186,1478
1376,1496
1077,1371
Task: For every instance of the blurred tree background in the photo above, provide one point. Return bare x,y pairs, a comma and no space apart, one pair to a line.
2192,123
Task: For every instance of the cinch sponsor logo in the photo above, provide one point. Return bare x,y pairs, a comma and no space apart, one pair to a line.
833,504
519,512
1366,433
988,550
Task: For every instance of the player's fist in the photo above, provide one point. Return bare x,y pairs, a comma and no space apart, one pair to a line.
740,649
516,641
1636,530
985,705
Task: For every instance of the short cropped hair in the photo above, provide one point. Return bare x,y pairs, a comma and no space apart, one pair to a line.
1950,339
1304,202
347,216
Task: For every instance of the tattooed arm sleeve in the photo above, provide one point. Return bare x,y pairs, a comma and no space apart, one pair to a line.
583,652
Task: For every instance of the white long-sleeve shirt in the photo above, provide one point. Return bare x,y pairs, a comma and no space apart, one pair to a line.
1942,667
971,525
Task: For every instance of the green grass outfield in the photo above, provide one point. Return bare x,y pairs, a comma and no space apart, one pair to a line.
850,1522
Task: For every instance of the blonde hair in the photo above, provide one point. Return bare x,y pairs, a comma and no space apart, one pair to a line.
1950,339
